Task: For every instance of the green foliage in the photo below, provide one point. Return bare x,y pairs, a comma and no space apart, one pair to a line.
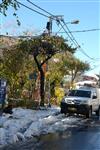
74,66
16,65
10,3
59,93
43,49
45,46
63,64
29,56
25,103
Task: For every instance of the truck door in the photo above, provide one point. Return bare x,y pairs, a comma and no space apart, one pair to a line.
94,101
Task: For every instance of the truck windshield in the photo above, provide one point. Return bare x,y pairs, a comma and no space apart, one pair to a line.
79,93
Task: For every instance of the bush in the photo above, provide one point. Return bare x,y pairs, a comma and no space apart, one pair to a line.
25,103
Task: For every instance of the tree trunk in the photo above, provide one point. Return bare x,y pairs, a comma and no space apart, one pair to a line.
74,73
42,79
42,92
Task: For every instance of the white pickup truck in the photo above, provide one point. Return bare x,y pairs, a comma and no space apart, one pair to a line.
84,100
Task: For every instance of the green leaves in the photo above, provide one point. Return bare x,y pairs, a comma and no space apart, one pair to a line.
18,22
10,3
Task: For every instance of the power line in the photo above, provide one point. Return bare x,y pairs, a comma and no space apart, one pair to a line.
76,31
76,43
40,8
67,33
58,20
54,17
71,34
86,30
96,66
71,37
82,50
32,9
89,30
93,61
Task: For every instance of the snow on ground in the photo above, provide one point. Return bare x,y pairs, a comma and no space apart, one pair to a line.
25,123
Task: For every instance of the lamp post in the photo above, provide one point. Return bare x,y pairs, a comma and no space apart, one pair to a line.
71,22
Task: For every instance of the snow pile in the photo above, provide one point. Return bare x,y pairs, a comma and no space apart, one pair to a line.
2,136
25,123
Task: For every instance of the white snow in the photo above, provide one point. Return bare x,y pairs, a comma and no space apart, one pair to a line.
25,123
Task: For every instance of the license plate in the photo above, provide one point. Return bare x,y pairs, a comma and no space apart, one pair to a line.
72,109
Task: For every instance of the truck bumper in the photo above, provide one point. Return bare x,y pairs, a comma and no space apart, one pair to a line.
70,108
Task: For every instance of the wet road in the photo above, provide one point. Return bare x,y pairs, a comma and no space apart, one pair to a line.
84,136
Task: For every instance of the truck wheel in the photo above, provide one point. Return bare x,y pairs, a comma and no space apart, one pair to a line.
98,112
89,113
63,112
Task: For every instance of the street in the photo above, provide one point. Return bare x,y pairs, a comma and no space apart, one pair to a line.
82,135
85,137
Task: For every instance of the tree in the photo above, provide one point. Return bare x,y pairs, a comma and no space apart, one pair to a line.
13,61
65,64
43,49
75,66
6,4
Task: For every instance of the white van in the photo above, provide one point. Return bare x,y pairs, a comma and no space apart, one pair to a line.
84,100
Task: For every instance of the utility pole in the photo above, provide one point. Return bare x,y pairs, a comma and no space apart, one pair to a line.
49,26
57,18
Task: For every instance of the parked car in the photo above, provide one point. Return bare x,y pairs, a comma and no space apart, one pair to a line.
84,100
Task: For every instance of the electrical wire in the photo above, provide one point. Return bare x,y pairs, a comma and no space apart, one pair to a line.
71,37
89,30
54,17
40,8
86,30
76,43
93,61
71,33
67,33
96,66
32,9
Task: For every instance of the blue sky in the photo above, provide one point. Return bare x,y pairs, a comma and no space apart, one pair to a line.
87,12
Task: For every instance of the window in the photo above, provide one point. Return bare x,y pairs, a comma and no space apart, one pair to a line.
79,93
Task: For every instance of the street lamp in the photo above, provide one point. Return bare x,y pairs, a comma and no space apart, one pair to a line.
71,22
74,22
